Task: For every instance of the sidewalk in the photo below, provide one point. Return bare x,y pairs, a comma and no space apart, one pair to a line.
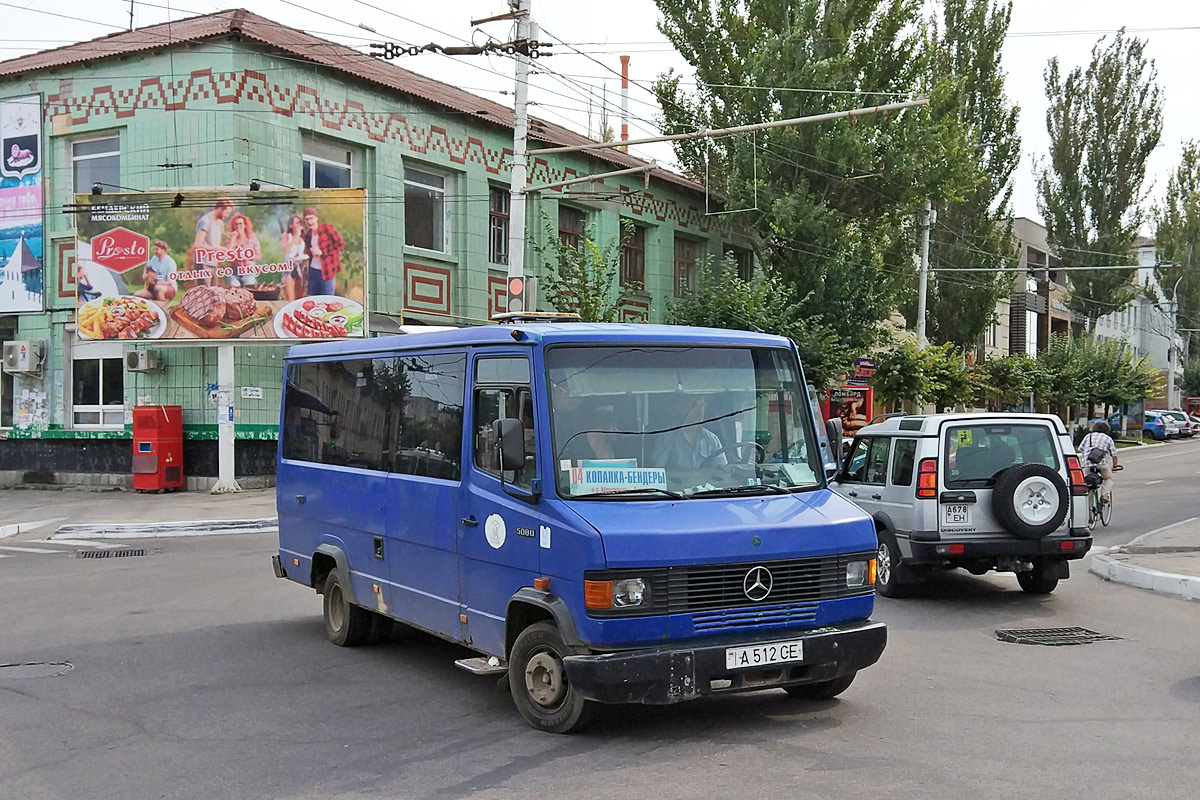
1166,560
29,514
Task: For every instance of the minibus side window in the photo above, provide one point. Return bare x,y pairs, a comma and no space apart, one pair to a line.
500,402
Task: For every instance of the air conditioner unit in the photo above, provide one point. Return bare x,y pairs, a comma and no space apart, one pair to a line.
143,361
23,357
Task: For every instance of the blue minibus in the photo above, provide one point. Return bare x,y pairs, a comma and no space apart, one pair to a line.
608,513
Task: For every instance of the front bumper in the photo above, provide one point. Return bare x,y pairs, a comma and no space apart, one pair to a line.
975,549
672,674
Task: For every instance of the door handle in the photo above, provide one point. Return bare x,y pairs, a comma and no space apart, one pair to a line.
470,522
300,499
876,497
852,494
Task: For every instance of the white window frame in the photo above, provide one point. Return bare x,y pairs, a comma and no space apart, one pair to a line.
92,351
116,137
315,150
445,189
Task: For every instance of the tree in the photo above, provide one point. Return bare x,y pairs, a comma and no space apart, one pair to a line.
1191,378
936,374
973,229
834,200
585,280
764,303
1104,122
1177,239
951,383
1007,381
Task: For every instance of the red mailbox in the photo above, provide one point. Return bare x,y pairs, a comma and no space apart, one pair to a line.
157,448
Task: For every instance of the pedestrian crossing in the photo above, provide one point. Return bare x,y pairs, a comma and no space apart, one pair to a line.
52,546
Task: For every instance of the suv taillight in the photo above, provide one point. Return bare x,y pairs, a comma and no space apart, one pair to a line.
927,478
1078,485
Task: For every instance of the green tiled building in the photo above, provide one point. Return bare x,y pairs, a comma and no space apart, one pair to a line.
222,100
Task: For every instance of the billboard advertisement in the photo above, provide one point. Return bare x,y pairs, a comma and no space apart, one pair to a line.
213,266
21,273
852,404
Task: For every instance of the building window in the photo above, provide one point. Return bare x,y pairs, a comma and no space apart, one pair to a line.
498,227
96,161
326,165
571,224
98,389
687,251
744,259
633,258
425,210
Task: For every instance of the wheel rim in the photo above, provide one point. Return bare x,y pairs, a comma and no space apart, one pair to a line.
1035,500
883,564
545,680
337,610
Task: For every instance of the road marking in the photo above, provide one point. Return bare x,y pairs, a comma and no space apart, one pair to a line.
1168,527
87,543
30,550
21,527
1137,460
1152,483
4,556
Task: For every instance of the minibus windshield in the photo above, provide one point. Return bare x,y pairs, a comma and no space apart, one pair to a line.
654,422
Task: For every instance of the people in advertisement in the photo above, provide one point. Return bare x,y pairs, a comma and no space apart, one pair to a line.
275,265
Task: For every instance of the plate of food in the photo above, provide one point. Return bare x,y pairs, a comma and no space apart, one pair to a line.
121,317
320,317
216,312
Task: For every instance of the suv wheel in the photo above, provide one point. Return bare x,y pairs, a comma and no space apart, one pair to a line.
1038,580
888,569
1030,500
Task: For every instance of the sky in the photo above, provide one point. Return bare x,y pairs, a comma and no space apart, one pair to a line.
598,32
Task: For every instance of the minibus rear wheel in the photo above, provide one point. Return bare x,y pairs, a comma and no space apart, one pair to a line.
539,684
346,624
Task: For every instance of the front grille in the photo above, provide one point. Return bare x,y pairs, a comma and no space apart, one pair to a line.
711,587
754,617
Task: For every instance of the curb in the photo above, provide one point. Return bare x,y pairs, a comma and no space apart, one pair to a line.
214,527
1154,580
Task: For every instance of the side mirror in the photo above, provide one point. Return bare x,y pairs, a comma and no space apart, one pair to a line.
833,431
510,439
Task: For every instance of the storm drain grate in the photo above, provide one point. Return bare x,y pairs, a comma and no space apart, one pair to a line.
109,553
1053,636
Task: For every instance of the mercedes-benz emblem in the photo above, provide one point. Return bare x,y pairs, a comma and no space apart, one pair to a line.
757,583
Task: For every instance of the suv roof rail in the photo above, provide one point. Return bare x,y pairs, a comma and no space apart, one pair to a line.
517,317
882,417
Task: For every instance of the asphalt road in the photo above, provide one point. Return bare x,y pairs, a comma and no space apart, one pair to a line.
197,674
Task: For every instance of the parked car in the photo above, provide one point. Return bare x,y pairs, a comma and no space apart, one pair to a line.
1186,428
1156,426
982,492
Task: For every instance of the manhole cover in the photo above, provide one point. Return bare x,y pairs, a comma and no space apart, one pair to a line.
39,670
108,553
1053,636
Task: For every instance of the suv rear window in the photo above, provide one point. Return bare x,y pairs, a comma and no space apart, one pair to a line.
975,454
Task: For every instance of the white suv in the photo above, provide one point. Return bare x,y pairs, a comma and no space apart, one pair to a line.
977,491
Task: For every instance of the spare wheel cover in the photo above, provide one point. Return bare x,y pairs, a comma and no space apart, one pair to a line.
1036,500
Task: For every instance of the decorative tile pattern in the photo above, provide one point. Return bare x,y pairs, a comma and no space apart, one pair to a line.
426,288
64,256
635,311
497,293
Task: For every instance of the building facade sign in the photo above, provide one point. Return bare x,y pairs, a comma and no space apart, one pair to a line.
21,221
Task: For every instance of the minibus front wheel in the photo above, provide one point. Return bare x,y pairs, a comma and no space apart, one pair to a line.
539,684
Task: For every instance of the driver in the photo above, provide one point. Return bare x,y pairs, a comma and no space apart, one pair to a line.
692,445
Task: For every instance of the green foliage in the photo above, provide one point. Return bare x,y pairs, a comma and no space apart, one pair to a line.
763,303
1191,377
1104,122
1177,238
1008,380
935,374
585,281
1078,371
834,200
973,229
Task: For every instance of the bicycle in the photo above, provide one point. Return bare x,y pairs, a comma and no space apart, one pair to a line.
1097,509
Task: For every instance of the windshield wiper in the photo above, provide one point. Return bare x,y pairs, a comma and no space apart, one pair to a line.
762,488
624,492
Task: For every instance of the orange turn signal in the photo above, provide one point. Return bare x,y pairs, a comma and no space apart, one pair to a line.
871,572
542,583
597,594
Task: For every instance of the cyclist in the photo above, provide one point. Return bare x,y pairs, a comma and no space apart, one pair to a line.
1099,449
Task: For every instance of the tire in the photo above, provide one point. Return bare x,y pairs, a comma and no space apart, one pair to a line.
891,579
1036,581
1093,517
539,684
346,624
822,690
1106,512
1030,500
381,628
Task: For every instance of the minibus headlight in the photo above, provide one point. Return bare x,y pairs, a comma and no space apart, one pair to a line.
628,592
856,573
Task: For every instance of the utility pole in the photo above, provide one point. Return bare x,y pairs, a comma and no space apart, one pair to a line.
927,217
515,284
